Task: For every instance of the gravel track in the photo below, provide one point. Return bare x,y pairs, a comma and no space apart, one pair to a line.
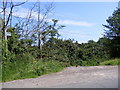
72,77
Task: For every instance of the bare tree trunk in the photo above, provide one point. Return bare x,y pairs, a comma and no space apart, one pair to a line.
4,13
9,18
39,41
39,31
6,19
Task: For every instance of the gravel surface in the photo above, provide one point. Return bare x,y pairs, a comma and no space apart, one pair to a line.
72,77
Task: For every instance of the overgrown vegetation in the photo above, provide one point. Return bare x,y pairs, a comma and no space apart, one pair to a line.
111,62
41,51
28,67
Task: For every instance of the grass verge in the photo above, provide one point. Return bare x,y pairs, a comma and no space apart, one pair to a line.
29,68
111,62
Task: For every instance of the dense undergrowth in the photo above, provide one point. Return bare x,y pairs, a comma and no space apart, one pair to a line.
29,67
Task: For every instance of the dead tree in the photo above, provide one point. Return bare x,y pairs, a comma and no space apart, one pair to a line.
7,17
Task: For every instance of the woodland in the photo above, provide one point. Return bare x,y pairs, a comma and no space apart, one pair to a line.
34,47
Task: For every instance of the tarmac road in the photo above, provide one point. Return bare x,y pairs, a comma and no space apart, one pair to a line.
72,77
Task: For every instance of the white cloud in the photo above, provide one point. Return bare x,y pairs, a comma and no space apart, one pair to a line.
76,23
18,12
25,15
78,35
24,12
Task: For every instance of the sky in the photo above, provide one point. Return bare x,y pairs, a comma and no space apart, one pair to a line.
83,20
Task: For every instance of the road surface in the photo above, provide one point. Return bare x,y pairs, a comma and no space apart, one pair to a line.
72,77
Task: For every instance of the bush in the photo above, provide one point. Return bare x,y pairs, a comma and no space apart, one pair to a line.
25,66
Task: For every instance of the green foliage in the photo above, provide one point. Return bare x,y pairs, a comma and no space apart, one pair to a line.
93,52
13,41
26,66
23,58
111,62
113,33
74,53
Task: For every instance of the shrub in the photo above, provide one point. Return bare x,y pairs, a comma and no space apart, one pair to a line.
26,66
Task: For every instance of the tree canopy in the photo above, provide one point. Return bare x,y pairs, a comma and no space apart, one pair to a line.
113,33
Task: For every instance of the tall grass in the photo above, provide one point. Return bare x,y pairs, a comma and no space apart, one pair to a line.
0,72
28,67
111,62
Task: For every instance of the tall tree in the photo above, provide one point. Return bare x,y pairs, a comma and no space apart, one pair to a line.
113,33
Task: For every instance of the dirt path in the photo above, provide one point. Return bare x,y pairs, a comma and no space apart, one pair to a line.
72,77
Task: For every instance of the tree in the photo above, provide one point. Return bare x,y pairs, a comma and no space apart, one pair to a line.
7,11
7,17
113,33
41,23
37,23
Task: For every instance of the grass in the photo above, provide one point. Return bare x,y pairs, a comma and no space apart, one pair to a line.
111,62
29,68
0,72
26,66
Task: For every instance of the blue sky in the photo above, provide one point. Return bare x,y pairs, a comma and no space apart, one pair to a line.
83,20
92,13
